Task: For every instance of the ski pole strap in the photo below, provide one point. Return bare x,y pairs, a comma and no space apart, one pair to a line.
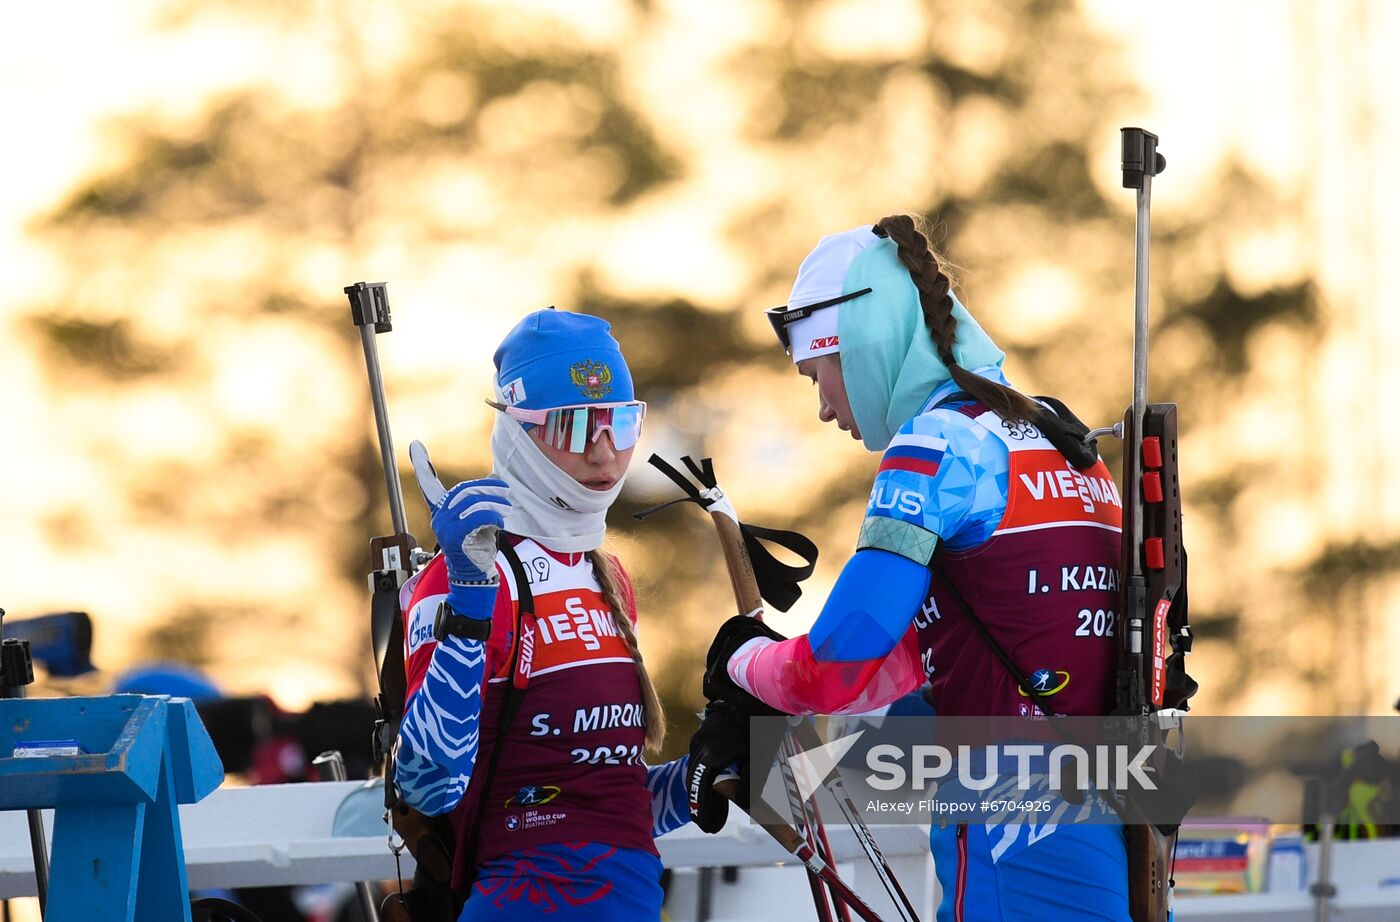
511,697
777,581
386,634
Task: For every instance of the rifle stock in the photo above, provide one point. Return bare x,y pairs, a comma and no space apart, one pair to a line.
1149,866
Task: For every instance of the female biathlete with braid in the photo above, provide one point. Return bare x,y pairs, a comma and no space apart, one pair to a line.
984,497
554,813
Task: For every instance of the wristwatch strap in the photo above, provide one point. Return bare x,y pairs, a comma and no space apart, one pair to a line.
448,623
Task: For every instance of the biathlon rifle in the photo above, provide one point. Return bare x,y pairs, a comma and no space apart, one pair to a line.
1155,637
395,557
753,575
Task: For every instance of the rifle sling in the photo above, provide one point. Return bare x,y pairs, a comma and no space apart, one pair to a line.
1121,801
997,649
511,698
386,634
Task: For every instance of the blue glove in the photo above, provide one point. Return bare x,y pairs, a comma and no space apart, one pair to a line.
466,520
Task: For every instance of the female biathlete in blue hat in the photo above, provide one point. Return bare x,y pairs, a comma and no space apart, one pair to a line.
983,497
563,826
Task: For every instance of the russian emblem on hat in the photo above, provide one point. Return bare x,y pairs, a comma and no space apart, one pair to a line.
593,379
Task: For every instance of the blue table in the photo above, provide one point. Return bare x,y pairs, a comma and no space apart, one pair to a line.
117,852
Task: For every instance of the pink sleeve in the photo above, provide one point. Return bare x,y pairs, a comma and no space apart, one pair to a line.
786,675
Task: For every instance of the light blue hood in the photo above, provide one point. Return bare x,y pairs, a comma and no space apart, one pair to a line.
887,356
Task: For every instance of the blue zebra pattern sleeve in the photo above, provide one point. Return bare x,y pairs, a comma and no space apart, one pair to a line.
670,809
440,733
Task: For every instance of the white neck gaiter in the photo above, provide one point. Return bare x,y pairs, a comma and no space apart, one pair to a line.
546,503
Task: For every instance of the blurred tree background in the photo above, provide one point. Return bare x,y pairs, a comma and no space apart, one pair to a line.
201,458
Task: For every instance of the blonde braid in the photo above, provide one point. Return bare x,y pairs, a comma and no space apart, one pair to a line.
655,715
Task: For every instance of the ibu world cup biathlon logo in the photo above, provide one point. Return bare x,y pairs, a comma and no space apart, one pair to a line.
1046,682
533,795
593,379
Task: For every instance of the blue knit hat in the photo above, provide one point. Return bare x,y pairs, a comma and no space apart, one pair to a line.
557,358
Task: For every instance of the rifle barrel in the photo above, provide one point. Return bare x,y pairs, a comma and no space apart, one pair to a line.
1140,163
386,438
369,311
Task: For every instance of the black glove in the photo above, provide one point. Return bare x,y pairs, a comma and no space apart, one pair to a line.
717,686
721,743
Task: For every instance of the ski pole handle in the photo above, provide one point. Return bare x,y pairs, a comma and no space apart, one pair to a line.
744,583
737,564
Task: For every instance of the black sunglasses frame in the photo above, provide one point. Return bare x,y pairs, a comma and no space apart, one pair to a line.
780,317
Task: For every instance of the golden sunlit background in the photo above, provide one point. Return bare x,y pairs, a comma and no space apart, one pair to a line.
189,452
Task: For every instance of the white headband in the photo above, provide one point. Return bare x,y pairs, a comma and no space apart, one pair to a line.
821,277
815,334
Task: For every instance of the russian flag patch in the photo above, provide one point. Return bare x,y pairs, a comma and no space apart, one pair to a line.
920,454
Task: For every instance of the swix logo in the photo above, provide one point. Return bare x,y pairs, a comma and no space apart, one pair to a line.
824,342
888,496
527,651
558,501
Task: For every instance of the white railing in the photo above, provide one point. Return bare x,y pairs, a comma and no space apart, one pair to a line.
285,834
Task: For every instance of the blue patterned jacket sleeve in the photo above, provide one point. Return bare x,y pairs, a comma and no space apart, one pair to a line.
440,732
943,478
670,809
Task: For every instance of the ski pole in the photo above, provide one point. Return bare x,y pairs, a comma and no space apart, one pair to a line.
807,738
807,828
746,593
744,583
796,845
330,766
